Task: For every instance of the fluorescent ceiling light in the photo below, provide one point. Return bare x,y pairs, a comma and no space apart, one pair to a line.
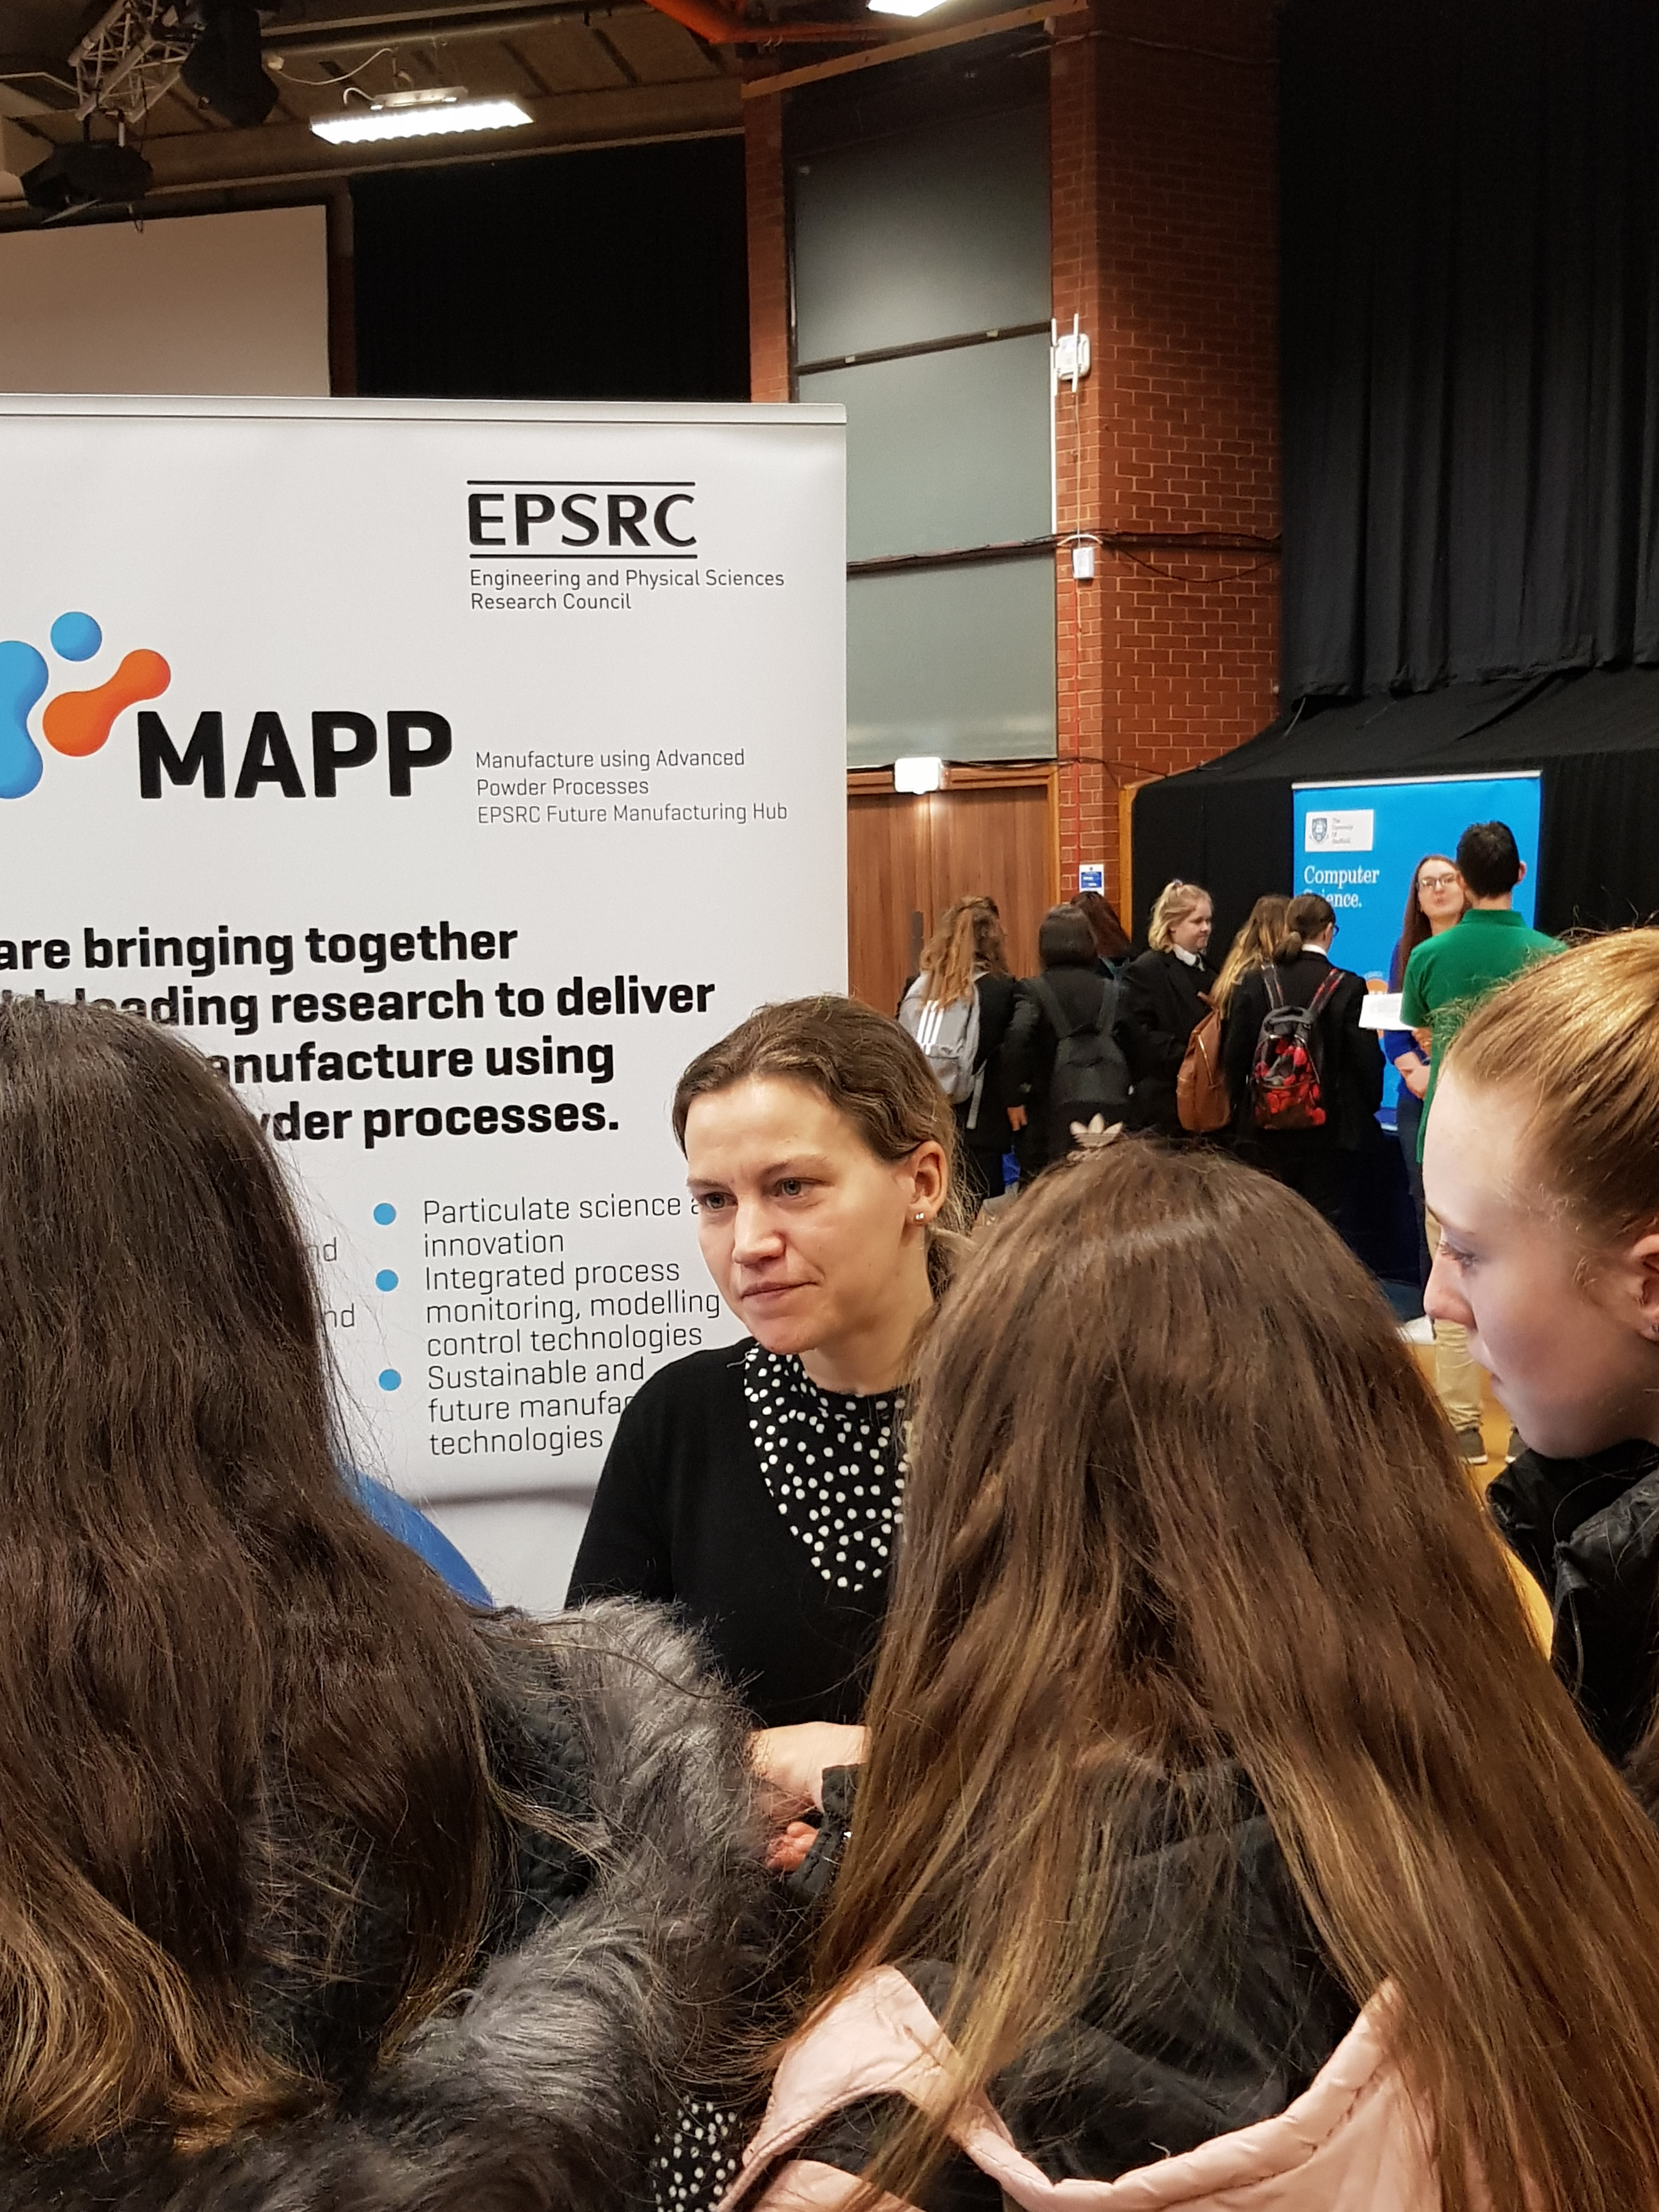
904,7
918,772
431,119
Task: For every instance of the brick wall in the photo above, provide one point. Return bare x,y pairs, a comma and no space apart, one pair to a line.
1164,209
769,249
1164,219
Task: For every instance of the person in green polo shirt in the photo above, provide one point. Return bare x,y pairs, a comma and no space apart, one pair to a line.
1446,978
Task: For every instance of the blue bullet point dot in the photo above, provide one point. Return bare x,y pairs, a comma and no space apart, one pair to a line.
386,1280
385,1213
390,1379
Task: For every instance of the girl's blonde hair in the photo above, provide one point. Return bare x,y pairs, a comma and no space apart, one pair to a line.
967,941
1576,1038
1252,948
1174,902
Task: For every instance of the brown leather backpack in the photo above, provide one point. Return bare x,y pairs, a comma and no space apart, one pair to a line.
1201,1102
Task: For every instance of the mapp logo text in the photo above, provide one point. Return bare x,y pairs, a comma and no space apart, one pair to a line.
340,740
564,520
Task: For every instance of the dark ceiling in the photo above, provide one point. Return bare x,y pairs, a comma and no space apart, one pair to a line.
590,74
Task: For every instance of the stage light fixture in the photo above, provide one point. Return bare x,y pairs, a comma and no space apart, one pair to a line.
438,113
85,173
225,68
904,7
918,772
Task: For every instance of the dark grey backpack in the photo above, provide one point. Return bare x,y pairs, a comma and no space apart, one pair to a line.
1091,1074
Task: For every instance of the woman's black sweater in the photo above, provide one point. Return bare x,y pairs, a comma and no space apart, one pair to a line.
682,1514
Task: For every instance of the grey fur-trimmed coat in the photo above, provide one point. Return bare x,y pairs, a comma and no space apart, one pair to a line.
547,2090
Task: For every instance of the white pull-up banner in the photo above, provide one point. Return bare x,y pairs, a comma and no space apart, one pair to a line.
450,774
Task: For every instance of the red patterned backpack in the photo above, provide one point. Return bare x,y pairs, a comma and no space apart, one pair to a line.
1285,1076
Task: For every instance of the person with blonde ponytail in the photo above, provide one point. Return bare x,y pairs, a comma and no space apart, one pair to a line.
1223,1837
1541,1163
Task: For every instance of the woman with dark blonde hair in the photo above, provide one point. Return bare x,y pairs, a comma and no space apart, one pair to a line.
958,1010
757,1487
1223,1837
315,1885
1252,949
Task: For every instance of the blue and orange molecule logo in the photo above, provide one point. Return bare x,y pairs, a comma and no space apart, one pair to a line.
75,723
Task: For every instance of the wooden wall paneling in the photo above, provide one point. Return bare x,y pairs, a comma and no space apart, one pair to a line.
1126,848
993,828
997,841
887,881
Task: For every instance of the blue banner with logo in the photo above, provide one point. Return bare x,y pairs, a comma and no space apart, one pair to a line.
1360,844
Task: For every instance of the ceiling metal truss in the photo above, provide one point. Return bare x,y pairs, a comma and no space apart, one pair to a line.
131,58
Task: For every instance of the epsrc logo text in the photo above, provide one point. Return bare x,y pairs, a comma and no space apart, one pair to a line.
564,518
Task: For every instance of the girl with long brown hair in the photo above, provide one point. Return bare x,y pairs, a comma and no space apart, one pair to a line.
272,1801
1113,944
1251,949
1223,1835
963,1000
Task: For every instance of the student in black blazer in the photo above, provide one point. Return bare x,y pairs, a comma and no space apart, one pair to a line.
1160,1002
1349,1059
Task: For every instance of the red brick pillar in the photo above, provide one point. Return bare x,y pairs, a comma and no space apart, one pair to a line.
1086,803
1170,656
769,249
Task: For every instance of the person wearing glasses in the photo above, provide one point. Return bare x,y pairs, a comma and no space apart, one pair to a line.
1311,1161
1434,905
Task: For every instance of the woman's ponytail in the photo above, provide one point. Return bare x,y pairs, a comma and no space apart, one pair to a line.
1307,915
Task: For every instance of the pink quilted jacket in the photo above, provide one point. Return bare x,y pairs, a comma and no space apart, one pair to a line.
1353,2143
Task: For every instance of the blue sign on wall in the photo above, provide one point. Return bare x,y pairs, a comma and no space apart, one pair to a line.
1357,845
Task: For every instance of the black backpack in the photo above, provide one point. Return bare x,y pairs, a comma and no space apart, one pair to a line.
1091,1075
1287,1089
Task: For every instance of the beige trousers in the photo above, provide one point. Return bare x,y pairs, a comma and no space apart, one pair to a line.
1456,1378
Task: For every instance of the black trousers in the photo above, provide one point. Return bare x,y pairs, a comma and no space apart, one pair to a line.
981,1174
1409,1120
1306,1161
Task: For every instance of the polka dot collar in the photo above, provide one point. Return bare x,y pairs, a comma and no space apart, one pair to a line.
834,1467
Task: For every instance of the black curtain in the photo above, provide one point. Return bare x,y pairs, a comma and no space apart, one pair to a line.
615,274
1470,197
1594,737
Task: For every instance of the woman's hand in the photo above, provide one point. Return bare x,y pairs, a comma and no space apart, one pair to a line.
1016,1117
789,1847
788,1764
1413,1073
